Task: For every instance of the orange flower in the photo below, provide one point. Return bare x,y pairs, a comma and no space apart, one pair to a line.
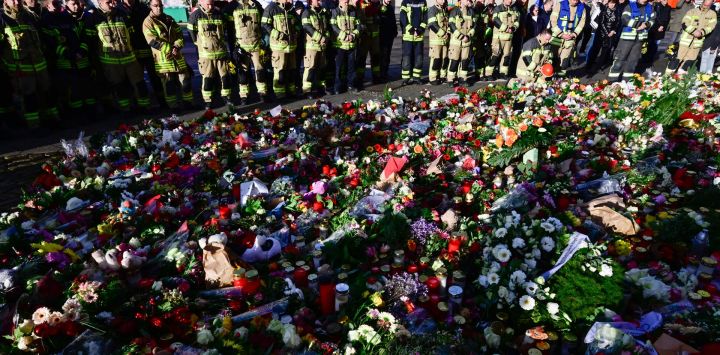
511,137
523,127
499,140
537,121
418,149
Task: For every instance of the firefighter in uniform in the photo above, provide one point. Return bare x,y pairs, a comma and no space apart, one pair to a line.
165,38
280,22
506,20
346,29
110,29
413,15
208,30
388,28
567,21
72,64
138,12
536,52
637,18
438,23
246,16
316,23
462,28
697,24
483,35
369,41
24,62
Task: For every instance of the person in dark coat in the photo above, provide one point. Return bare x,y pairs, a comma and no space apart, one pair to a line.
657,31
519,36
606,36
388,32
532,23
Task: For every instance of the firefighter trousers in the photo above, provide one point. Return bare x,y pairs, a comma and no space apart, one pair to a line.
177,85
412,59
344,58
251,60
627,55
438,62
314,63
284,69
480,58
212,70
685,59
386,45
148,63
124,79
459,63
76,92
368,45
33,87
564,52
501,56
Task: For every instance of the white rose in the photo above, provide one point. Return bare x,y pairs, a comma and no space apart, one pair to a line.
606,270
553,308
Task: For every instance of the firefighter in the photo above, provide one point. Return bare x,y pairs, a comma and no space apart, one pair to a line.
24,62
34,8
316,23
346,29
280,23
637,18
138,12
369,41
567,21
462,28
208,30
483,36
506,20
413,21
71,69
388,28
165,38
246,16
438,23
109,29
698,23
536,52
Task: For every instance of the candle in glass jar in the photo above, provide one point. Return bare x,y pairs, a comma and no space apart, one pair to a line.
342,295
300,276
433,285
239,277
252,283
327,296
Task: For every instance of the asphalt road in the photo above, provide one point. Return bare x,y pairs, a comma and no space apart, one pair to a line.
22,156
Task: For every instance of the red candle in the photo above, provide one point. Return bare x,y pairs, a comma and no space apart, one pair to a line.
224,212
327,298
412,269
252,283
236,192
301,277
433,285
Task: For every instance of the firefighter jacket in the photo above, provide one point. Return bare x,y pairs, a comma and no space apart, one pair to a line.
462,26
20,42
108,36
438,22
697,19
316,23
632,17
413,20
67,41
163,34
504,18
246,17
283,27
208,31
345,22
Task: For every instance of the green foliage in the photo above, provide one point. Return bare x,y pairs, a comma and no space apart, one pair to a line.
667,108
680,228
392,229
532,138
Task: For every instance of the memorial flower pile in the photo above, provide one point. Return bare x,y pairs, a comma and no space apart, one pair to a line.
535,219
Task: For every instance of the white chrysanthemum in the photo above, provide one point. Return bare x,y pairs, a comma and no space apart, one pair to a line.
493,278
41,315
547,243
553,308
518,243
547,226
606,270
527,303
500,232
501,253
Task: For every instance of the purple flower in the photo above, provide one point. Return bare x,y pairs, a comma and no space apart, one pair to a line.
422,229
57,258
404,284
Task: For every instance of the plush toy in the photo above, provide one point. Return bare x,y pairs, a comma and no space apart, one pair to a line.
263,250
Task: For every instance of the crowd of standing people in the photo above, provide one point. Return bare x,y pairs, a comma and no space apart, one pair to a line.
74,59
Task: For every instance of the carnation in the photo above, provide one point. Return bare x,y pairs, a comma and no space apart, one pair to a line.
501,253
518,277
500,232
547,226
548,244
518,243
553,308
527,303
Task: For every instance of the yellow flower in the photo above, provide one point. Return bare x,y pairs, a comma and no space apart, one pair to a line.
227,323
46,247
377,300
71,254
703,293
663,215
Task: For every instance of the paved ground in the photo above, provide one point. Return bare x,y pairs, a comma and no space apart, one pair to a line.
21,156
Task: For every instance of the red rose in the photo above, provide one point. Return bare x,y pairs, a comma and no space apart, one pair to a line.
156,322
318,206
